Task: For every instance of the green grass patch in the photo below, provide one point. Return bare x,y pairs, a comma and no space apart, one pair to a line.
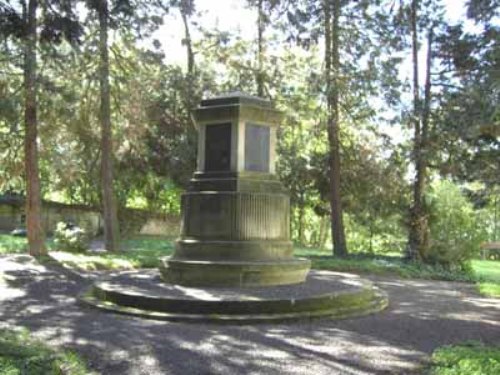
145,252
22,355
466,359
138,252
488,274
489,289
18,245
12,245
487,270
391,265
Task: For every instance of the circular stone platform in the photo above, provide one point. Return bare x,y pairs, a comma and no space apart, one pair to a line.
324,294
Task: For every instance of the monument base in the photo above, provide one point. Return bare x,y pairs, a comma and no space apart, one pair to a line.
323,294
234,273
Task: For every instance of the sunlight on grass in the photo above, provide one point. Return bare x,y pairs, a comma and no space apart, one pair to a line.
489,289
12,245
146,251
487,270
139,252
20,354
466,359
391,265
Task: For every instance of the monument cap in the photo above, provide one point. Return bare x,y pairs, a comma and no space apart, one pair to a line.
235,97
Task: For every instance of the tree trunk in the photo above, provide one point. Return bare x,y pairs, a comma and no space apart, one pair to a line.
36,238
260,52
415,237
190,105
188,41
418,241
332,68
424,150
111,232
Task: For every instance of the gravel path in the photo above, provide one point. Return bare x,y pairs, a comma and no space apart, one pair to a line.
422,315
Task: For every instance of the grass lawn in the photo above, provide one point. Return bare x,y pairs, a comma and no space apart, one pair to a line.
466,359
391,264
488,272
145,251
22,355
12,245
138,252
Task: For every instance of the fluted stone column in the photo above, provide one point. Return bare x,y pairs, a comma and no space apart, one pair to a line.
235,215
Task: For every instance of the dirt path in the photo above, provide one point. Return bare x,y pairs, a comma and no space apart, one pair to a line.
422,315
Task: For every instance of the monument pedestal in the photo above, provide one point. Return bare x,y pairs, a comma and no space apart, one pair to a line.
235,232
236,213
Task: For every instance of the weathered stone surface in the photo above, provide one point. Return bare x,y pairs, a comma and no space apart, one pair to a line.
236,181
236,213
235,216
185,271
324,294
257,147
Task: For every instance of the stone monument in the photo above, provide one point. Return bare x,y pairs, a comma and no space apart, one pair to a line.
235,215
234,260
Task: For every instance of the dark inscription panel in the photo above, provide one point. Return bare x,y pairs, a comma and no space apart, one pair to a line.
218,147
257,138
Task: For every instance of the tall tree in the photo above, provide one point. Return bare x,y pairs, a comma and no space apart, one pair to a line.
134,16
332,10
418,237
111,229
418,224
261,24
469,113
264,10
57,23
36,238
186,8
355,71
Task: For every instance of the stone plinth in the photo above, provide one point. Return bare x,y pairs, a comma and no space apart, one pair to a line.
235,214
324,294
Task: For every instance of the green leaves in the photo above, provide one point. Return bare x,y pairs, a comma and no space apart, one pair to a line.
455,229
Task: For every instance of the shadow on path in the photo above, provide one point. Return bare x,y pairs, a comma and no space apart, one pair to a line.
422,315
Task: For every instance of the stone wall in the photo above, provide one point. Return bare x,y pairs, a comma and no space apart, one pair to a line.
131,221
10,217
148,223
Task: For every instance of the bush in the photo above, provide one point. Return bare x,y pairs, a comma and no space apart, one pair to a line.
455,231
68,237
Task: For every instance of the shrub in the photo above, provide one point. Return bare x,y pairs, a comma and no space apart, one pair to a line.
455,231
72,238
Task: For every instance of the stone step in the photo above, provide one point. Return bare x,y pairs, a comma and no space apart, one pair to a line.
324,294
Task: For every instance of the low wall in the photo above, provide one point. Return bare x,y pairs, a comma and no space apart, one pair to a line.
10,217
148,223
131,221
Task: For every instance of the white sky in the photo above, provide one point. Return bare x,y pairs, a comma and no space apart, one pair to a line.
233,15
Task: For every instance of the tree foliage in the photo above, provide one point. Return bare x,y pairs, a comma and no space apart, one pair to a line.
358,90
